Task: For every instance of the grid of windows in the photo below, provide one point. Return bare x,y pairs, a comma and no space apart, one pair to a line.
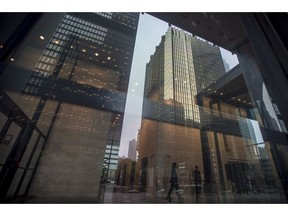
81,80
179,78
170,128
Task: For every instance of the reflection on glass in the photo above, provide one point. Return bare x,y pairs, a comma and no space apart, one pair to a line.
74,98
63,94
270,109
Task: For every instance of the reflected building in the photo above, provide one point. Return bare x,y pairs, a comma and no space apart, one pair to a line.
132,150
259,41
181,66
70,81
62,98
233,160
201,120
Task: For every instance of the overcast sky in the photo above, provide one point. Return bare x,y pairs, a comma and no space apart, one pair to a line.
150,31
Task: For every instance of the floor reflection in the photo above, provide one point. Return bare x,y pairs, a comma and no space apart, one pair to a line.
112,196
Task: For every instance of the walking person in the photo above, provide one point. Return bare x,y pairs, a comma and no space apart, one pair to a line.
197,181
174,182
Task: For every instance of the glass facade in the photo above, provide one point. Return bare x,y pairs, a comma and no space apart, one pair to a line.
71,86
193,116
64,81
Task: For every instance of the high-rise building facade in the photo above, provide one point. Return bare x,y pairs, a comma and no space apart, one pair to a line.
215,134
260,45
181,66
132,151
71,86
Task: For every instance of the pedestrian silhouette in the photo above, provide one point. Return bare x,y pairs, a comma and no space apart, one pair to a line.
197,179
174,182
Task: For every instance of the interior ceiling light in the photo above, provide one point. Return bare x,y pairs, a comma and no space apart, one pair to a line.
42,37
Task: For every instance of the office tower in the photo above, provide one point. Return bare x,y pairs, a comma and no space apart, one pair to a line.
75,96
132,151
264,70
181,66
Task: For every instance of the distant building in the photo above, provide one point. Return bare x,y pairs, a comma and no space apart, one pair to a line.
132,151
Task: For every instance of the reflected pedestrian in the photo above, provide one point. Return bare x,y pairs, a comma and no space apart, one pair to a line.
197,180
174,182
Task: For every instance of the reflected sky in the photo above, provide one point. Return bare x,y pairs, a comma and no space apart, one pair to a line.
269,107
257,132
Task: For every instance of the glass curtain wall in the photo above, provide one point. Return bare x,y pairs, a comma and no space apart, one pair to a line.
68,77
206,135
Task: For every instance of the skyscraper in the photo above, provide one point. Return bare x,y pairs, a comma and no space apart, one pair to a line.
181,66
132,151
75,96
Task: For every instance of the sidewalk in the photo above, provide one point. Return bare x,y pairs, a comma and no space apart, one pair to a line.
123,196
143,197
134,197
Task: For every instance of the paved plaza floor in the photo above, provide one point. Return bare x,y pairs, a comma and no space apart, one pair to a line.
111,194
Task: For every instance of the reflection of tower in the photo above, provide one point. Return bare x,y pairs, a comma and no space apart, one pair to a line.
132,151
266,168
97,65
76,95
181,66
